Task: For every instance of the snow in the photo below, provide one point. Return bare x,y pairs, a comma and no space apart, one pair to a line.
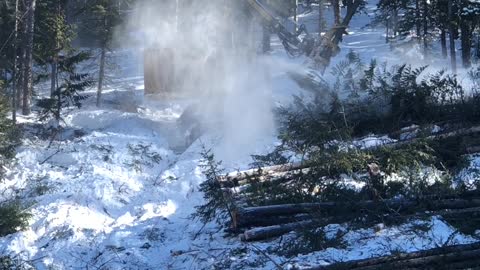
383,240
470,175
96,204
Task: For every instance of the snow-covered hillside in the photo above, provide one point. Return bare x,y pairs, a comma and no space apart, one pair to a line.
117,188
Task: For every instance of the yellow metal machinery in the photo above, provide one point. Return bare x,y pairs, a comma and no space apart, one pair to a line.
159,72
159,66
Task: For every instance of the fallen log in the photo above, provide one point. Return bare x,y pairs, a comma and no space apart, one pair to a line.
342,208
278,171
439,136
262,233
271,221
262,176
243,175
437,258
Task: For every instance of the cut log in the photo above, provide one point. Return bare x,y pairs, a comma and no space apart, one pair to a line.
270,221
337,208
280,171
262,176
263,233
446,135
242,175
436,258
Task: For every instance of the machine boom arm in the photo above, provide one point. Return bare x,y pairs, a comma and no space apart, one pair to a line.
291,41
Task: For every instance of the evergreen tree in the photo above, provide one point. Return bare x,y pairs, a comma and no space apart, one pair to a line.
53,37
69,92
101,19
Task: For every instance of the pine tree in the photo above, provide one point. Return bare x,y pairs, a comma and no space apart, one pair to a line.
102,17
55,38
69,92
451,32
27,83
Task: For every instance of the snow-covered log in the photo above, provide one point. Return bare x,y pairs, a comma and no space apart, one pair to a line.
262,233
449,257
269,170
342,208
280,171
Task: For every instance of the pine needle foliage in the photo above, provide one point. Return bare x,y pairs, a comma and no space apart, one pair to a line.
69,92
218,205
8,132
13,218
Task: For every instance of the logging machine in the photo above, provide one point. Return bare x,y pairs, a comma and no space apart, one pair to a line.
293,44
159,63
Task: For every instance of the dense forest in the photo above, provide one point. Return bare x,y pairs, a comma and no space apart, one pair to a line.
252,134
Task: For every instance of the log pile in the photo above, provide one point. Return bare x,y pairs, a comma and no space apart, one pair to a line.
260,223
451,257
241,178
263,222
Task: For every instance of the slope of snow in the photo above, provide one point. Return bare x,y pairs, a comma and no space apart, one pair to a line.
97,204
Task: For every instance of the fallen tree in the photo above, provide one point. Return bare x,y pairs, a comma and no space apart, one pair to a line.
262,233
449,257
248,216
237,177
290,170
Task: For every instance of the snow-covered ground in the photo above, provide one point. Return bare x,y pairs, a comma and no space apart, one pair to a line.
117,191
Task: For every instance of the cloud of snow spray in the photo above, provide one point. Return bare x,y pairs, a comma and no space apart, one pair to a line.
215,64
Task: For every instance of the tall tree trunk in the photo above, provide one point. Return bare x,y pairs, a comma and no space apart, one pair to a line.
53,76
265,39
28,79
22,53
295,16
395,21
466,44
425,27
14,73
387,29
101,73
54,64
453,54
321,20
336,12
443,42
417,19
466,39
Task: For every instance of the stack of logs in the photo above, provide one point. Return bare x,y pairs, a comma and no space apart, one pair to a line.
262,222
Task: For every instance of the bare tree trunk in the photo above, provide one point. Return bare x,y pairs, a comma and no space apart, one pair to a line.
425,27
466,45
28,79
417,19
54,64
22,53
443,42
321,20
53,76
387,29
295,15
336,12
101,73
14,73
395,22
466,40
453,55
265,39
